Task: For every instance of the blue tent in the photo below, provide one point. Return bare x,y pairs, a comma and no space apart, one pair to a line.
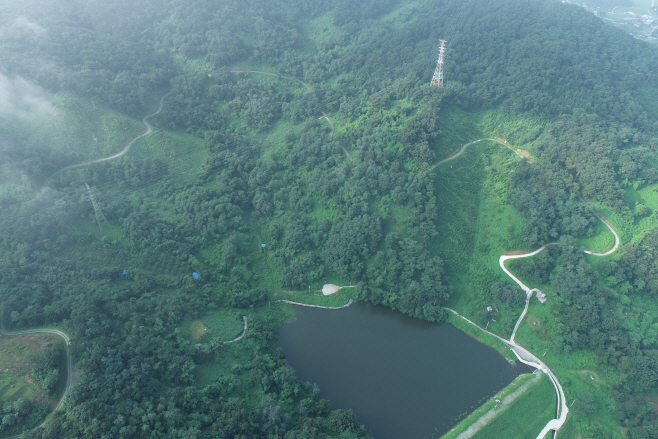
123,273
263,245
195,275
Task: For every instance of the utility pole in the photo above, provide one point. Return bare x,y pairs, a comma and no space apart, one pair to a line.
100,218
437,79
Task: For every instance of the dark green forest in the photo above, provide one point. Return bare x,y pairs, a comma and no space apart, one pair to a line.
239,159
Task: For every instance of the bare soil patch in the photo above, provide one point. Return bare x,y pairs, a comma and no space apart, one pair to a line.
516,252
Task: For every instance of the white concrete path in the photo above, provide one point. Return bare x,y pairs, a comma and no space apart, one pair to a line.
525,356
244,331
315,306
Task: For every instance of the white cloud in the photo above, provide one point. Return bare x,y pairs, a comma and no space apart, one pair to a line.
22,23
22,99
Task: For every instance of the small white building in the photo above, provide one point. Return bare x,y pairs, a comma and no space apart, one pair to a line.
541,297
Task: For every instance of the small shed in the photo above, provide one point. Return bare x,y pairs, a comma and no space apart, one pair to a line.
489,309
541,296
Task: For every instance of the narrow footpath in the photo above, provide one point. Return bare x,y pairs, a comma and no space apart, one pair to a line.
121,153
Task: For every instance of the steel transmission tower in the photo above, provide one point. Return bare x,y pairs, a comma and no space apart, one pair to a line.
437,79
100,218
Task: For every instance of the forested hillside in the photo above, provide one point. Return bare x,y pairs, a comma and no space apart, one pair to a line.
311,127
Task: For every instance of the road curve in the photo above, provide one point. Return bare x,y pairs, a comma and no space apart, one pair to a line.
463,148
526,357
244,331
616,239
315,306
148,131
69,364
522,353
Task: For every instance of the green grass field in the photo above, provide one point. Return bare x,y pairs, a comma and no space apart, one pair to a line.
525,417
492,404
483,337
233,354
17,355
12,387
224,324
476,223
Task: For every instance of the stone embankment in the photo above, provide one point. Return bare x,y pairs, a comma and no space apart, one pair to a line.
316,306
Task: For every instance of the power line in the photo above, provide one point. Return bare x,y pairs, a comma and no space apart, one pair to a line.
437,79
100,218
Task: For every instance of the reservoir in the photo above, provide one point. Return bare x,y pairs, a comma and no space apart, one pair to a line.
403,377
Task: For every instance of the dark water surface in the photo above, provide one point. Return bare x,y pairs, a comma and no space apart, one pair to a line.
403,377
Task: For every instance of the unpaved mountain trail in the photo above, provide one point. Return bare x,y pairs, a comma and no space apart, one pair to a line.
148,131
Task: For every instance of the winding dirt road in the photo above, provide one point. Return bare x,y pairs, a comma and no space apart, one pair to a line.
308,88
522,353
148,131
69,364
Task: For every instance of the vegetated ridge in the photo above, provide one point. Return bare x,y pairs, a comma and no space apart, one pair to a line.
240,160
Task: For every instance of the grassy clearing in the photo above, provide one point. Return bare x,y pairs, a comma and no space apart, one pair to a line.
602,240
17,357
575,384
402,16
519,131
318,30
198,330
221,324
241,352
457,127
13,387
94,131
477,224
525,417
72,126
489,405
224,324
483,337
183,153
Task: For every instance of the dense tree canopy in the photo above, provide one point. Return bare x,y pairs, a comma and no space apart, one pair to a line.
358,203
